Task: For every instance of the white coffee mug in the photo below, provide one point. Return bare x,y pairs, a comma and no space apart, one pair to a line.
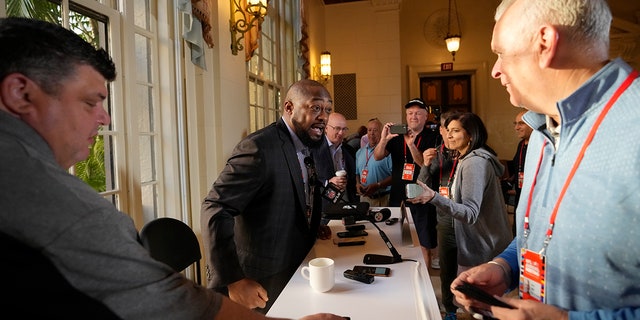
320,274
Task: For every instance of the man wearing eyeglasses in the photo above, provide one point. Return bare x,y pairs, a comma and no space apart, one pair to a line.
342,155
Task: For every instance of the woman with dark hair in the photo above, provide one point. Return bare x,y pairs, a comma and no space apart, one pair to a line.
474,196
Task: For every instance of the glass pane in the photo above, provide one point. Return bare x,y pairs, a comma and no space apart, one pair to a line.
92,170
270,116
260,116
91,30
260,94
143,58
147,159
141,14
109,164
254,63
144,94
253,125
149,202
252,92
266,26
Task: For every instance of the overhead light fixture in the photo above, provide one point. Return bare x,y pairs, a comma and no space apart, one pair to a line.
254,11
453,38
325,67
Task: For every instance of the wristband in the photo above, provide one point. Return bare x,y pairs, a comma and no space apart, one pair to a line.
507,275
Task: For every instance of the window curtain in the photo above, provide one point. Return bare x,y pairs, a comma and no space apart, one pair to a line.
201,10
252,36
303,58
196,31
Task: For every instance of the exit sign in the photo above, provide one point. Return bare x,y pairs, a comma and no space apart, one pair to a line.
447,66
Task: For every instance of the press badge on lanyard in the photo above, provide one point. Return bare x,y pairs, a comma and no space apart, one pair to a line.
444,191
407,171
532,276
363,175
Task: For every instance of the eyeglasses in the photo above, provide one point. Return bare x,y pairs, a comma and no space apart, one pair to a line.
345,129
317,109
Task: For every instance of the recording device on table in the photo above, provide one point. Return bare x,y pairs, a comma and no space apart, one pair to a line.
347,242
395,257
366,274
352,234
374,271
358,276
357,212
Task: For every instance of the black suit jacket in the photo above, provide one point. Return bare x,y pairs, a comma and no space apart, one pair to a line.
253,220
349,165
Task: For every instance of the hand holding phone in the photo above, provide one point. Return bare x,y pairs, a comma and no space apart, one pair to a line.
478,294
398,129
413,190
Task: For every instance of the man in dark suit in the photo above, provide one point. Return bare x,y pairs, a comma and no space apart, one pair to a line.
342,156
258,220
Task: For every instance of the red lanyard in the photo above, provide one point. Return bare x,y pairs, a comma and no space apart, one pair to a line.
404,143
585,145
368,155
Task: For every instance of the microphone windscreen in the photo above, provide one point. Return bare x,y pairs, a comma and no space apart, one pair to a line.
308,161
381,215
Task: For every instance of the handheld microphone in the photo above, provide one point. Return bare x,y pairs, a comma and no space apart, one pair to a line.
380,259
311,168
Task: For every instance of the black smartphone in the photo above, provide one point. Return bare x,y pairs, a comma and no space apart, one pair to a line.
345,242
481,295
398,129
352,234
355,227
358,276
374,271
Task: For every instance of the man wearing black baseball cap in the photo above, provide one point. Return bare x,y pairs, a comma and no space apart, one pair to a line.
416,102
406,157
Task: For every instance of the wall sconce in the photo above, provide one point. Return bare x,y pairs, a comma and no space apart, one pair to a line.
325,68
453,39
255,11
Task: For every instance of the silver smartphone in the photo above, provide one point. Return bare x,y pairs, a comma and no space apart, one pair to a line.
413,190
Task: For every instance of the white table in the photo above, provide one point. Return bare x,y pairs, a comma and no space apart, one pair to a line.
405,295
